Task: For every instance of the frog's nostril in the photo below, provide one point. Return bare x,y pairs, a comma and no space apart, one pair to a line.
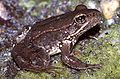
90,14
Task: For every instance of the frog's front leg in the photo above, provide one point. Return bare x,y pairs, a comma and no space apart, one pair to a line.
72,61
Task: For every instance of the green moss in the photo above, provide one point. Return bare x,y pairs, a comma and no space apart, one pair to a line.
32,3
28,4
107,52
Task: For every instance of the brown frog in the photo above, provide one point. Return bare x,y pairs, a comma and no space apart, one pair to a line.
57,34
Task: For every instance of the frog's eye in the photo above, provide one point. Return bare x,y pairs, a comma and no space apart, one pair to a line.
81,19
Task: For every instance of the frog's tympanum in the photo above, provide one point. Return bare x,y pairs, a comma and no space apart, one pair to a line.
57,34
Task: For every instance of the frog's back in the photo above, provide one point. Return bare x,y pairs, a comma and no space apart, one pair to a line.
55,23
52,24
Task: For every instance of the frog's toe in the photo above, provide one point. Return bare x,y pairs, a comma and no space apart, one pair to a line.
91,66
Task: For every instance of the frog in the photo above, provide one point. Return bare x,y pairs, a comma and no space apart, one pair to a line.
57,34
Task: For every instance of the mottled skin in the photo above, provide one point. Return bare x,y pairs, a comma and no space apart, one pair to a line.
57,34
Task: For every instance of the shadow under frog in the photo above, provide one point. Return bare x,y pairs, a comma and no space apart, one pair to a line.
57,34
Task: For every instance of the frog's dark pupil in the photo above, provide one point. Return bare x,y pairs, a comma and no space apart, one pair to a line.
81,19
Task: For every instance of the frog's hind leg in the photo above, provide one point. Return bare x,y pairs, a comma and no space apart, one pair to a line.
72,61
33,59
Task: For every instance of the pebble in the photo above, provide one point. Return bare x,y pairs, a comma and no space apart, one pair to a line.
109,7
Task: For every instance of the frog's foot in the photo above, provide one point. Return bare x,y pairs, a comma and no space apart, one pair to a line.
72,61
47,69
52,70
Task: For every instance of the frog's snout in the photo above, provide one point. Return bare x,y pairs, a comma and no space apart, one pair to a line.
95,16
